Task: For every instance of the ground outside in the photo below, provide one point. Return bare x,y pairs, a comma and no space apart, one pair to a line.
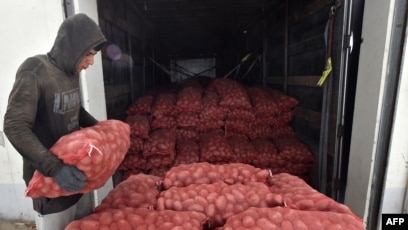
16,225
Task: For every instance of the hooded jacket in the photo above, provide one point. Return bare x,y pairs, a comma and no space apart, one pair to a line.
45,101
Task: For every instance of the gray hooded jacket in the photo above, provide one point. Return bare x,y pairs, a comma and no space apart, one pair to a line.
45,101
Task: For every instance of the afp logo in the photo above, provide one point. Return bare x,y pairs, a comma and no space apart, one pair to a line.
394,221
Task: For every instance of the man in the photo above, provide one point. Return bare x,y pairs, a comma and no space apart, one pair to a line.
45,105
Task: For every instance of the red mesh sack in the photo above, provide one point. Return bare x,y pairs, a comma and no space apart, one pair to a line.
238,126
211,109
156,161
164,104
231,134
163,122
244,151
267,120
159,171
188,100
141,106
137,191
262,103
214,147
209,126
293,150
218,200
127,173
284,118
283,101
232,94
297,194
241,114
97,151
187,152
188,134
286,218
267,154
139,126
278,169
133,161
187,119
261,132
298,169
136,145
282,132
140,218
161,142
206,173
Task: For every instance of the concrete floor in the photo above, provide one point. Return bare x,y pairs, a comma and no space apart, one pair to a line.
16,225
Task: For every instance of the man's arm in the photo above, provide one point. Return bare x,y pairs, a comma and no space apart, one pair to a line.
19,122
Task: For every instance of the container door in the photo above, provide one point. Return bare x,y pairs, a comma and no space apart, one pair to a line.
340,94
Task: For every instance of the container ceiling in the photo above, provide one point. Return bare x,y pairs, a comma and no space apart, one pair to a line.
201,28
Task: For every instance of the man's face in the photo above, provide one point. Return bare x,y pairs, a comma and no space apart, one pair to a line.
86,61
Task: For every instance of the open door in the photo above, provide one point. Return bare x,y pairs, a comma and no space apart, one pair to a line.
339,96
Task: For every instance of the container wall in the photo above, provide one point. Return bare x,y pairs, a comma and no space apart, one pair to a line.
295,59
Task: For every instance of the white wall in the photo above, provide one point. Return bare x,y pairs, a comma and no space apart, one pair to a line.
29,28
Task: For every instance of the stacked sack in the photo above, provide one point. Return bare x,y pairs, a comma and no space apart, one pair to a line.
139,132
223,122
217,196
234,99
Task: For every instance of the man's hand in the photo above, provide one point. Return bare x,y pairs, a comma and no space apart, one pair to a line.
70,178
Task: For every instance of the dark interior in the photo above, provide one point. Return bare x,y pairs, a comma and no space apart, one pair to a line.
285,43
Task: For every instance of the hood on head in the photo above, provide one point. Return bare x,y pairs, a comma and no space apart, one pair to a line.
77,35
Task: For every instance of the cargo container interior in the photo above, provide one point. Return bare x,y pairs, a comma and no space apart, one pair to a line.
284,44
